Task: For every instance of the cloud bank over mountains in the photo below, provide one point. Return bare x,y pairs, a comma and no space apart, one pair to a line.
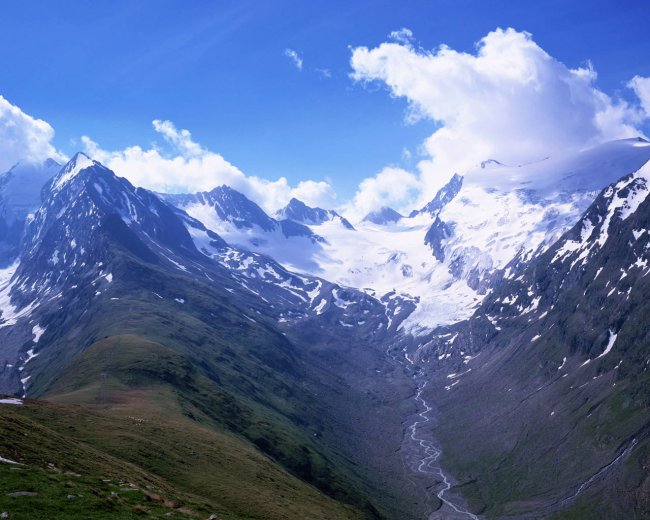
187,166
508,100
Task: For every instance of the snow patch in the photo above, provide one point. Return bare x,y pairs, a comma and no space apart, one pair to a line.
37,332
11,400
320,307
610,344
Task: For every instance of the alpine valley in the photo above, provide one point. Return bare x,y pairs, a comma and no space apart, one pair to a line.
191,356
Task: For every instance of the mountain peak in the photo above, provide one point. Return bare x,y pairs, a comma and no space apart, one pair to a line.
298,211
80,161
444,196
383,215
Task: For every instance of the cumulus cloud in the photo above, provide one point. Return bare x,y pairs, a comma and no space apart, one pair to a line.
23,137
189,167
641,87
294,57
392,187
509,100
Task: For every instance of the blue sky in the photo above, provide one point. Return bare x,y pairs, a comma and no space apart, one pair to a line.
219,69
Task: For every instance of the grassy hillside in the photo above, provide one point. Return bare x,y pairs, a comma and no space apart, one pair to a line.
119,465
186,376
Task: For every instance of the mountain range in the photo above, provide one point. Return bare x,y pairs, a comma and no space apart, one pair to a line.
189,354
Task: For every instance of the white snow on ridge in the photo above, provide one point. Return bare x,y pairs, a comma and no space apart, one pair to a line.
30,355
81,163
293,253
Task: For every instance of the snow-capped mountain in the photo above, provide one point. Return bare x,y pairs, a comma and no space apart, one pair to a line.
73,259
444,196
434,268
298,211
243,223
480,227
383,215
558,355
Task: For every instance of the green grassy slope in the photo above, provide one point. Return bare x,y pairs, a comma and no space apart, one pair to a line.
170,464
135,349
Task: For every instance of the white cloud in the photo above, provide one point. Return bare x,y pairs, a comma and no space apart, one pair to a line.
23,137
641,87
392,187
294,57
509,100
315,193
403,36
190,167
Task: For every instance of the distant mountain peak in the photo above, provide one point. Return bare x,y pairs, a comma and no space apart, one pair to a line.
383,215
444,196
298,211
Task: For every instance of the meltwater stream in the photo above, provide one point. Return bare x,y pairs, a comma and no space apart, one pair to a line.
428,455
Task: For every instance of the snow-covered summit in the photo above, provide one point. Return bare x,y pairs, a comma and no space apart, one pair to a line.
298,211
588,170
443,197
20,187
79,162
242,223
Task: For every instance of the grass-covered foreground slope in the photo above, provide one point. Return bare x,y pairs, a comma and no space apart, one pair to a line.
85,463
170,374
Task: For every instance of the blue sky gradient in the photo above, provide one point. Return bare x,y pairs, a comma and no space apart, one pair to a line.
107,69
